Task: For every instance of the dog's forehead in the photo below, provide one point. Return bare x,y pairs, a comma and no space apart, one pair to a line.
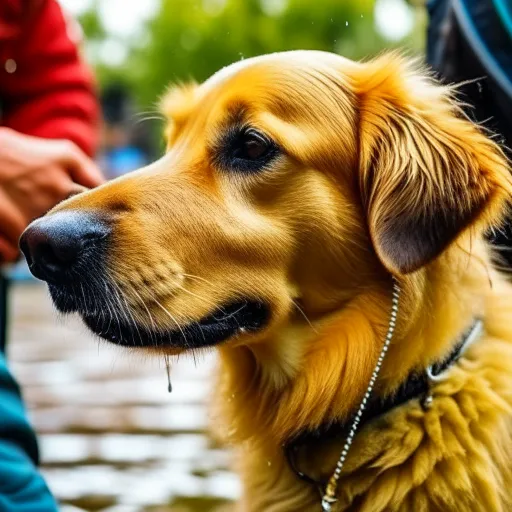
297,58
285,82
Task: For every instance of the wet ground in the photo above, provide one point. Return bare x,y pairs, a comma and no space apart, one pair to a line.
112,438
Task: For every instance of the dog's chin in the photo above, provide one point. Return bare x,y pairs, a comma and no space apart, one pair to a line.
225,322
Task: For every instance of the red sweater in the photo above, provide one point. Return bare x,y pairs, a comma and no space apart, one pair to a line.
45,89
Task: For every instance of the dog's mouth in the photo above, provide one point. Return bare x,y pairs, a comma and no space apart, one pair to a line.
225,322
232,319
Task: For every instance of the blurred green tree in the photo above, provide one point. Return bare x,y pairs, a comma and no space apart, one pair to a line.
191,39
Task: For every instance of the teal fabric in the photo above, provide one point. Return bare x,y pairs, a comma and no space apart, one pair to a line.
504,9
22,488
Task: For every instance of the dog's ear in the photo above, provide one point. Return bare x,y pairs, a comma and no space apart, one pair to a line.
176,105
426,172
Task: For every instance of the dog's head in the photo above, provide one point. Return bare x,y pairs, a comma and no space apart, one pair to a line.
289,179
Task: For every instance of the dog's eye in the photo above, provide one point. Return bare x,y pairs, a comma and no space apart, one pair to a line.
252,146
246,150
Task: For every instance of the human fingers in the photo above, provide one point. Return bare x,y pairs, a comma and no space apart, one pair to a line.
81,168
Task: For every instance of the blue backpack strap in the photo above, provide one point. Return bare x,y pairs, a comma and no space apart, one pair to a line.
484,30
504,10
485,27
438,31
470,44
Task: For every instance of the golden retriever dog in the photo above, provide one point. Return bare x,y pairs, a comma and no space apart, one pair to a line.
297,191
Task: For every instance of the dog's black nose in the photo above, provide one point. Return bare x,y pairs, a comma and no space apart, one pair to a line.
61,242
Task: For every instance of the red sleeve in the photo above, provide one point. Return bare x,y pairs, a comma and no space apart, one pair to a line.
50,93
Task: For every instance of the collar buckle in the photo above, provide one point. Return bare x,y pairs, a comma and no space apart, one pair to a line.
437,372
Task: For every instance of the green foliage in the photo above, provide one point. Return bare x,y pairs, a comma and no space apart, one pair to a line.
91,24
191,39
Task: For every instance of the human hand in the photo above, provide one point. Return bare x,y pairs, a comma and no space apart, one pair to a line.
35,175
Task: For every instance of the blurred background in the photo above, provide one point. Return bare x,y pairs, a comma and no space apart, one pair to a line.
112,438
139,47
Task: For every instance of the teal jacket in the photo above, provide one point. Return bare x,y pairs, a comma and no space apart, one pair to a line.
22,488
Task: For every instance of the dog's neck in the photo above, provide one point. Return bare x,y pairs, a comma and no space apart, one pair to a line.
418,386
307,375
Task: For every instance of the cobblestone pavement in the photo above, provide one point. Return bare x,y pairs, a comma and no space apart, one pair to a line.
112,438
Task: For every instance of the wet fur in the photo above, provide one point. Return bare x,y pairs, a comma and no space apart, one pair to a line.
380,174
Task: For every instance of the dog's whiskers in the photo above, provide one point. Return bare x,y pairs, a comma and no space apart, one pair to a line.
127,310
302,312
198,278
154,328
148,115
200,298
83,296
110,301
172,318
148,118
103,292
182,288
107,303
227,317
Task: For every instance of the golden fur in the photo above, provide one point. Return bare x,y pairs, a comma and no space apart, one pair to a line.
379,174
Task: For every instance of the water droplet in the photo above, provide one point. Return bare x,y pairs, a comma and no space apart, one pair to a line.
346,23
168,370
269,463
361,15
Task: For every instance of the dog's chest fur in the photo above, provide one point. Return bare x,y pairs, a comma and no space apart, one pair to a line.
453,456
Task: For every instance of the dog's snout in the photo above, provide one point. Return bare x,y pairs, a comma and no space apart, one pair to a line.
60,242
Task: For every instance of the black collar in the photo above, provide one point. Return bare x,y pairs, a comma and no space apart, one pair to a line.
417,385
